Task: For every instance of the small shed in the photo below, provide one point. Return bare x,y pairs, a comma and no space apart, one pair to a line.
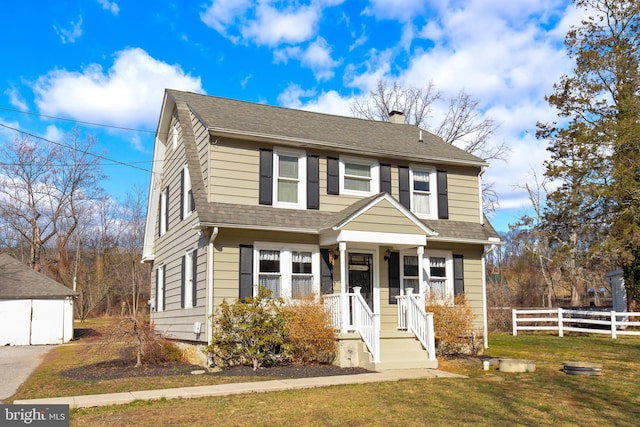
618,291
34,309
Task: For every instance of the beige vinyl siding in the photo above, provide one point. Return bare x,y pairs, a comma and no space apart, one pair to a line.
227,257
472,275
172,246
464,201
235,173
384,218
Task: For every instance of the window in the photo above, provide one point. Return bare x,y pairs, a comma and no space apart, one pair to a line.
187,202
164,211
289,272
174,135
440,273
359,177
288,186
409,273
160,288
188,282
423,194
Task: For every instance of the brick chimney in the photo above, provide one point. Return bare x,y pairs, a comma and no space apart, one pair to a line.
396,117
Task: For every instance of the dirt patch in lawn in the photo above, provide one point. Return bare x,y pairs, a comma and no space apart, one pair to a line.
119,368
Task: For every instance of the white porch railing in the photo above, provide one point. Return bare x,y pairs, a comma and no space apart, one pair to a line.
356,317
413,317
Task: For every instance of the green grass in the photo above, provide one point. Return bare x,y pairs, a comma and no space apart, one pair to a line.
544,397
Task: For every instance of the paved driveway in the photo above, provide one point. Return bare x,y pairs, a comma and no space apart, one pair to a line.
16,364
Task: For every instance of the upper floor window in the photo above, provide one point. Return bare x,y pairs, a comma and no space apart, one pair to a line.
187,201
289,187
289,272
175,133
359,177
423,192
164,211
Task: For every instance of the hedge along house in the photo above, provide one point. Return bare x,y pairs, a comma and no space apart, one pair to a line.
370,215
34,309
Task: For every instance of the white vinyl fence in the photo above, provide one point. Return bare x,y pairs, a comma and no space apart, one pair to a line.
587,321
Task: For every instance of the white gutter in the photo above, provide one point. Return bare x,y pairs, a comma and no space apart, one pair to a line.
485,330
209,312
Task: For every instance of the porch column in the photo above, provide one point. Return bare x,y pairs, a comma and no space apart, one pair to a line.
421,287
344,299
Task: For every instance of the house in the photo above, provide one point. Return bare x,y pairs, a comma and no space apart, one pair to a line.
39,308
371,215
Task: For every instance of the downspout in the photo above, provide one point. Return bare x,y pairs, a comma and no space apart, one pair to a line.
485,327
209,313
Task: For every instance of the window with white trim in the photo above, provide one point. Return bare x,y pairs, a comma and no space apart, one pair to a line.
160,288
289,186
188,280
164,211
188,203
423,192
359,177
409,273
288,271
439,266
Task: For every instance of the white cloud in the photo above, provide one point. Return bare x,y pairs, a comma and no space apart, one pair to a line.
222,15
53,133
110,6
325,102
273,27
71,34
402,10
16,99
316,56
129,93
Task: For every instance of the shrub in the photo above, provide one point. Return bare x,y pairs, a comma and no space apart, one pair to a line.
312,338
453,325
250,332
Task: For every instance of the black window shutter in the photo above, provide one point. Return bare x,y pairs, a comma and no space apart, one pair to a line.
443,195
157,287
182,194
404,190
385,178
326,272
166,208
192,201
194,292
246,272
333,175
313,182
182,284
394,277
458,274
266,177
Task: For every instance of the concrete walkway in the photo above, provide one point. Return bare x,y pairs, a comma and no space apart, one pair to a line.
239,388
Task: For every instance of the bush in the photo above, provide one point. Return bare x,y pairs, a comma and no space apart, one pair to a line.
453,326
250,332
312,338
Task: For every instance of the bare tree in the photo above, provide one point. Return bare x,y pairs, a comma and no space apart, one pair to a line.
462,124
42,185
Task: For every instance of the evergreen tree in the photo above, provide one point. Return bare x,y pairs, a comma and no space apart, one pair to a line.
596,156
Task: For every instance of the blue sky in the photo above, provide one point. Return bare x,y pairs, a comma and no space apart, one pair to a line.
108,62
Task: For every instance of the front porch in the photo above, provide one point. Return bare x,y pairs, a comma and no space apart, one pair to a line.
363,342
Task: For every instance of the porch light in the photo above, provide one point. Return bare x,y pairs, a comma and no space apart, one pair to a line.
387,255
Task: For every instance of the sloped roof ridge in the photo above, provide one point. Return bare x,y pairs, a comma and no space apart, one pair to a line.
18,281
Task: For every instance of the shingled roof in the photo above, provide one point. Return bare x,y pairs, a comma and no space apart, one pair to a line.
326,131
18,281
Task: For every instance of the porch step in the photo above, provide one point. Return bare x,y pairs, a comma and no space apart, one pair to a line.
402,350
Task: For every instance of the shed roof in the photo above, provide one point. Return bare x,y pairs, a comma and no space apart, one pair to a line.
18,281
